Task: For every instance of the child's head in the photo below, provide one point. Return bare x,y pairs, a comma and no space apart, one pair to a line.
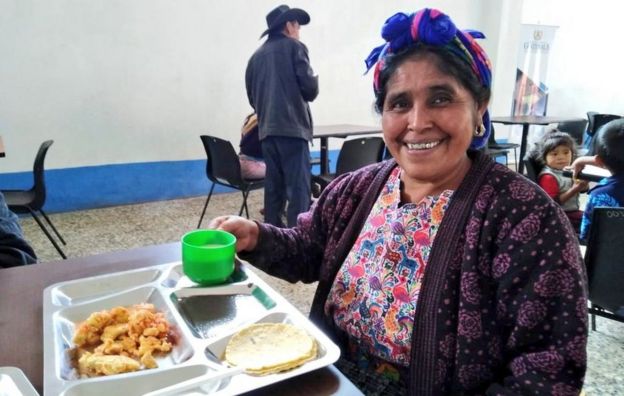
610,146
556,149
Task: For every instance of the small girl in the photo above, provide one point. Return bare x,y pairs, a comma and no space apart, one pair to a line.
556,150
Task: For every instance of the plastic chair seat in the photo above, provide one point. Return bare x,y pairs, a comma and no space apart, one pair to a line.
17,200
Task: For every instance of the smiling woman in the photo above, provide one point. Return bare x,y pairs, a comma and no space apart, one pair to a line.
440,271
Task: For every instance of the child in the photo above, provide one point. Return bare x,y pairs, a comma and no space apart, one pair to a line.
609,147
250,156
555,151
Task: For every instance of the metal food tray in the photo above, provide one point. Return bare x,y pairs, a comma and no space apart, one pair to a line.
202,324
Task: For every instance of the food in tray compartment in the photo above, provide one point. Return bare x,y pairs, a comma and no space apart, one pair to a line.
267,348
121,340
93,365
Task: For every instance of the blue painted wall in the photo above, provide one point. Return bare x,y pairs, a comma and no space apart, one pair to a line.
121,184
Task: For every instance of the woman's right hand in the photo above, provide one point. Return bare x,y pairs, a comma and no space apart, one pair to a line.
245,231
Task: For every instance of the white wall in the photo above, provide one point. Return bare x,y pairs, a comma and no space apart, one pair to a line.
123,81
118,81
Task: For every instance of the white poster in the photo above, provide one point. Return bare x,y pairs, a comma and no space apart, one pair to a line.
531,90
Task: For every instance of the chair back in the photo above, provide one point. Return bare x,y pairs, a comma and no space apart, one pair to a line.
590,121
599,121
222,165
604,260
356,153
39,187
533,168
576,129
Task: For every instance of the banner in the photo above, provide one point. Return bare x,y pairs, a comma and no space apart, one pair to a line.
531,91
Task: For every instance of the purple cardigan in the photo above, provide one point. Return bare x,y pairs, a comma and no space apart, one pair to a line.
503,305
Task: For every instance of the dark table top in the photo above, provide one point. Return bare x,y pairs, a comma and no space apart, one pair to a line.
21,315
531,120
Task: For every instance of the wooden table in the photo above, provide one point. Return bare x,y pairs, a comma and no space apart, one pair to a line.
324,132
526,122
21,315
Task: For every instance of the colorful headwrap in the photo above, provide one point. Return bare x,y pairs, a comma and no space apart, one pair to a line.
432,27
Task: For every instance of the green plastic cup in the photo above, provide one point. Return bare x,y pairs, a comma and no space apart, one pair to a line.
208,256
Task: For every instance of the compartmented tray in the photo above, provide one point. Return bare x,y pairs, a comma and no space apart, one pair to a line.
202,318
13,382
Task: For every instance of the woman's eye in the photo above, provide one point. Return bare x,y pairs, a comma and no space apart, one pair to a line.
399,104
438,100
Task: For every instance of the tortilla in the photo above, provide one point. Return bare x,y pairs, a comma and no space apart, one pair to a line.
266,348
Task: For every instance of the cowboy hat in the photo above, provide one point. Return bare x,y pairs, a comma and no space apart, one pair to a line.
283,14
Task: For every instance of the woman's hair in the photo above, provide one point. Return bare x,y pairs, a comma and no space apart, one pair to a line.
610,146
550,141
446,62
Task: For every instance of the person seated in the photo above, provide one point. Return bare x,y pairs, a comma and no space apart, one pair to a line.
609,145
439,271
250,156
555,151
14,250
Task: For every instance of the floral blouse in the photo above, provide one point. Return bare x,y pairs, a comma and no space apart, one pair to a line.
374,295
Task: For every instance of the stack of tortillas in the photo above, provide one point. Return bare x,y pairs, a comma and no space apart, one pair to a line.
266,348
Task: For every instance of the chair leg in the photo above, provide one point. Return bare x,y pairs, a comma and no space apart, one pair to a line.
205,206
244,204
47,233
515,159
45,216
240,212
593,319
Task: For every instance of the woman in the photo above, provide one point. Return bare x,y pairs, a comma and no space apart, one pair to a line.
440,272
250,155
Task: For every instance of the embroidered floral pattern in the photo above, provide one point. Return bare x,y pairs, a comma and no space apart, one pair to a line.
531,313
374,295
501,265
554,283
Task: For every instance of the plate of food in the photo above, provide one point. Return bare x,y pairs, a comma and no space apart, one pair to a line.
153,332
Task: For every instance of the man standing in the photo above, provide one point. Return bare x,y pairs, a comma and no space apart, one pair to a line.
280,83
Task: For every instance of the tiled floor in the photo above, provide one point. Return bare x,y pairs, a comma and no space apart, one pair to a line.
101,230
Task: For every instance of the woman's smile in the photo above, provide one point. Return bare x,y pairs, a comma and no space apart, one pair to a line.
423,145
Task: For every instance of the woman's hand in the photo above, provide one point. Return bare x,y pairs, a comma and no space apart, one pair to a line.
245,231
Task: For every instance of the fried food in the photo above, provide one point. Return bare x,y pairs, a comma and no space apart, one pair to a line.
266,348
93,365
121,340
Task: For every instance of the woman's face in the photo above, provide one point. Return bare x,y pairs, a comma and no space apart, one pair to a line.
559,157
428,121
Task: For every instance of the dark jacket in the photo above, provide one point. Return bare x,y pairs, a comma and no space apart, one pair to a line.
280,83
503,304
14,250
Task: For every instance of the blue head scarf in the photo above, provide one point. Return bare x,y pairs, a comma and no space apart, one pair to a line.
432,27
